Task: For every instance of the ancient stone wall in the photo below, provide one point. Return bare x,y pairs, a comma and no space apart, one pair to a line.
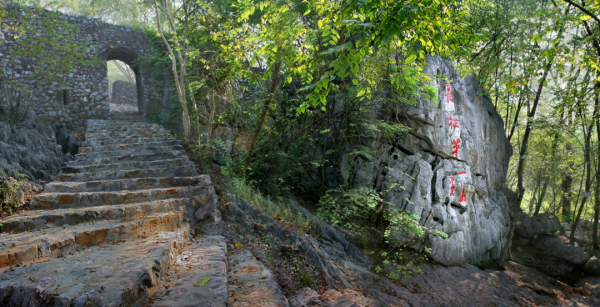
85,93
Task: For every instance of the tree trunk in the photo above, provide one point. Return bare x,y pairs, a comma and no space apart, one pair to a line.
597,198
521,166
565,202
538,206
178,76
265,109
587,186
588,165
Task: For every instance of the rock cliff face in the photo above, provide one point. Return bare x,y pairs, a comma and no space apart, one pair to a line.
29,148
455,189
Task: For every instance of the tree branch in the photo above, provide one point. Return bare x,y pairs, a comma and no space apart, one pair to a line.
581,8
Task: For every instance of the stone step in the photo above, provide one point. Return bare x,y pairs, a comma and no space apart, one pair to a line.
130,157
129,152
36,220
117,123
132,165
113,275
59,241
127,140
250,283
125,146
139,132
171,171
47,201
121,184
124,127
204,260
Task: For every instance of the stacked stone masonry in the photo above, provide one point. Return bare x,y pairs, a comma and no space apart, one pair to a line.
84,93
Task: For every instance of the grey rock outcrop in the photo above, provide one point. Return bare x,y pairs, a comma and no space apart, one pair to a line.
418,169
29,148
559,247
545,223
592,267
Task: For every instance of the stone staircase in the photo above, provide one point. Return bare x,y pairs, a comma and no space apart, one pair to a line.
111,231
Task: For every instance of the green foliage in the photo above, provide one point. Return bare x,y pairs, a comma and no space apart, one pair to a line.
10,189
303,275
344,207
277,210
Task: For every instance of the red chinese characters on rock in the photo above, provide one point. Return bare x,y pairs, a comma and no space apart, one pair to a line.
453,122
455,147
463,197
448,94
452,186
462,173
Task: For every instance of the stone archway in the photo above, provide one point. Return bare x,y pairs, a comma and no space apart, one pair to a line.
129,57
83,93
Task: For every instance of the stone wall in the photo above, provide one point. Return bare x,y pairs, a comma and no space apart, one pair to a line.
85,94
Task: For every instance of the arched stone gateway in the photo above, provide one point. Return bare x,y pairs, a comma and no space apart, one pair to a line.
84,93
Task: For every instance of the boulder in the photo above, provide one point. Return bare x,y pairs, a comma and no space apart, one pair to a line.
306,298
450,176
592,267
560,248
545,223
29,148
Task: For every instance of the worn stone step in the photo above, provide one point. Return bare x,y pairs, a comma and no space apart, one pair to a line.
121,184
171,171
107,133
250,283
183,286
46,201
87,149
117,123
129,151
130,165
36,220
124,127
113,275
129,157
59,241
128,140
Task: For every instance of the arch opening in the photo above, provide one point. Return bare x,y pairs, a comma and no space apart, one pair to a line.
121,66
122,87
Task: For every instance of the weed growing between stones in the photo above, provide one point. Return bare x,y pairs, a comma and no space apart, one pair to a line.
11,192
361,212
277,210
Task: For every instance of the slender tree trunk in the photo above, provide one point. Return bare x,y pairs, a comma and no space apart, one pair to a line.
196,113
552,157
265,109
532,202
587,186
179,77
588,163
565,202
597,198
211,116
504,254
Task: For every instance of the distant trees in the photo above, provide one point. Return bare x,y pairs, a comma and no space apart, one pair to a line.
539,62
